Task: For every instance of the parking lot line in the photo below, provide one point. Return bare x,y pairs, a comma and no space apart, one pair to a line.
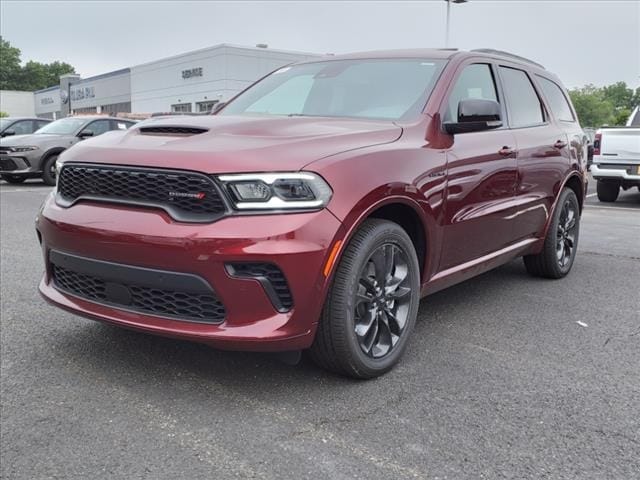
44,190
622,209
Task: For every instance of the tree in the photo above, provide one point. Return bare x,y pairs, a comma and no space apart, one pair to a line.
36,75
592,108
619,95
9,65
33,76
3,114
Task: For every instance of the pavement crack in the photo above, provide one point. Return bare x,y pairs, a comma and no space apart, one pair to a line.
612,255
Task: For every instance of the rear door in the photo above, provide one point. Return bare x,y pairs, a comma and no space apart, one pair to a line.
543,152
481,176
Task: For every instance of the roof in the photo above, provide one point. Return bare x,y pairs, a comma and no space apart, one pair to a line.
433,53
227,45
114,73
25,118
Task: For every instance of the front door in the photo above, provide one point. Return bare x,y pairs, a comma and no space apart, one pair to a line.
481,173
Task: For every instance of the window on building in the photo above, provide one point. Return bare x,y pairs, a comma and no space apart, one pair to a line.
181,107
557,101
475,81
85,110
115,108
206,107
523,103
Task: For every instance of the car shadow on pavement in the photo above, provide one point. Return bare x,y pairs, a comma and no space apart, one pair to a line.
131,357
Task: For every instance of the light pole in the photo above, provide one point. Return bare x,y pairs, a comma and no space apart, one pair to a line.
449,2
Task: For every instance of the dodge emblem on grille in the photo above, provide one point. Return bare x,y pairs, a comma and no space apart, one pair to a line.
199,195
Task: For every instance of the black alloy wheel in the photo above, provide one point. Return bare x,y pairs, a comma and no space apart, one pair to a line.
372,305
382,301
561,242
566,233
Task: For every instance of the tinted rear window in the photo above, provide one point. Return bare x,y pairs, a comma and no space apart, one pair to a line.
557,101
523,104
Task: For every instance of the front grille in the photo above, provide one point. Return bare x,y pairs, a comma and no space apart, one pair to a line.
271,278
186,196
7,164
168,130
181,305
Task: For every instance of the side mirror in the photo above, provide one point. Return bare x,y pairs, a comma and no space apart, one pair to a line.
475,115
8,133
85,134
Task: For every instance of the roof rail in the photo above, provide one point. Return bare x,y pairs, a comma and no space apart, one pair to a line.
507,54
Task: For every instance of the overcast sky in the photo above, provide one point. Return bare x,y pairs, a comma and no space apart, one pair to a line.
582,41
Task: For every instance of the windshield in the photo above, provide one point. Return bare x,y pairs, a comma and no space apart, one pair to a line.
64,126
390,89
4,123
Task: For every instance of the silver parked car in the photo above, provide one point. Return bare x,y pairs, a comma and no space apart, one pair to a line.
35,155
21,125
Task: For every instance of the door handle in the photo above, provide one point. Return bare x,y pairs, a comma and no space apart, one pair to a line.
506,151
559,144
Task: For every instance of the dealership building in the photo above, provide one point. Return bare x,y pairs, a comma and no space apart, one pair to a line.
190,82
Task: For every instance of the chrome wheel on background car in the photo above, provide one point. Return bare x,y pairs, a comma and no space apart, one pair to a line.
382,301
372,305
561,243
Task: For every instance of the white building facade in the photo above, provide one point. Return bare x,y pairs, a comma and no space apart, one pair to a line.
196,81
191,82
17,104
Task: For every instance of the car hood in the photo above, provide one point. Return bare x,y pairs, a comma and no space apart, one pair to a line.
36,140
234,143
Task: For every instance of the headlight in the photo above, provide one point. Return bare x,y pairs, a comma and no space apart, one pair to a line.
58,168
22,149
277,191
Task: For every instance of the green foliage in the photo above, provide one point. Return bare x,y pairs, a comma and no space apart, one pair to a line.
31,76
3,114
9,65
610,105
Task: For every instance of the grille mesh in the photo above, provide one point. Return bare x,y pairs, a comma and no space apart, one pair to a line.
170,303
272,273
187,196
8,164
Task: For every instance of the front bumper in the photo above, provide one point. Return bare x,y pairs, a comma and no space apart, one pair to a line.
627,173
20,164
297,243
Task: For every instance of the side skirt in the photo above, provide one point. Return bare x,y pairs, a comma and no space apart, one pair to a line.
464,271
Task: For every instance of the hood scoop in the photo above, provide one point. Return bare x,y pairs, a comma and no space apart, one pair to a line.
172,130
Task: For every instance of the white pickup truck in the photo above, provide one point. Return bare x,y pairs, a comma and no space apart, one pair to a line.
616,158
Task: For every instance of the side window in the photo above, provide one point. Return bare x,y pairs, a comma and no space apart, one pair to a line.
557,101
22,127
99,127
523,104
120,125
39,124
475,81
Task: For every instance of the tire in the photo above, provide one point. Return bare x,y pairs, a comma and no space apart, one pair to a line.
13,178
355,299
49,170
607,191
561,243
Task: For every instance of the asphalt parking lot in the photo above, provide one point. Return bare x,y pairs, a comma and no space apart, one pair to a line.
507,377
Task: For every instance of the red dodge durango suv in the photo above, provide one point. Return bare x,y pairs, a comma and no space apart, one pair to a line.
318,206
